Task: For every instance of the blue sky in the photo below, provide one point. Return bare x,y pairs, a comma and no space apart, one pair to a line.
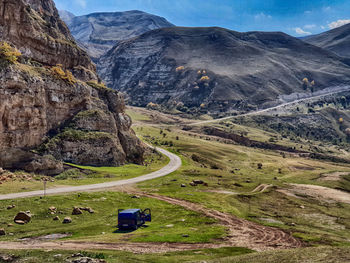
297,18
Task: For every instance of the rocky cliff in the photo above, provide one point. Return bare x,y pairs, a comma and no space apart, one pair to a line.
48,113
99,32
217,70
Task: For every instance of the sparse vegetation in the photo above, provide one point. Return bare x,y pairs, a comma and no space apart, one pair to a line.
59,73
9,53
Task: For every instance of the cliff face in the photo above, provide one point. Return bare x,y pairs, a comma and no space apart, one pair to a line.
43,107
35,28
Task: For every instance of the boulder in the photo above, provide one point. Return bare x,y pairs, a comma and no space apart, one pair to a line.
67,220
22,217
76,211
198,182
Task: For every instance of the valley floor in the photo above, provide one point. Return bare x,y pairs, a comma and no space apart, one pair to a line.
227,200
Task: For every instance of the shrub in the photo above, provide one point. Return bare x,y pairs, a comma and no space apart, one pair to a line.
9,53
204,79
179,69
59,73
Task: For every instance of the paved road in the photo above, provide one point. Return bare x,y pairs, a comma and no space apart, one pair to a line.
272,108
174,164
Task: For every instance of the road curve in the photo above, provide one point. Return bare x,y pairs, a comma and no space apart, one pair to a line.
272,108
174,164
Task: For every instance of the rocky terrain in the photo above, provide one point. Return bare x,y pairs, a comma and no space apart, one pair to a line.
99,32
336,40
51,102
213,70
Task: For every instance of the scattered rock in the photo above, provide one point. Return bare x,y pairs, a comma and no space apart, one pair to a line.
20,222
11,207
52,210
56,218
193,184
183,185
302,207
174,180
9,225
67,220
23,216
198,182
87,209
76,211
8,258
136,197
171,225
57,256
185,235
2,232
87,260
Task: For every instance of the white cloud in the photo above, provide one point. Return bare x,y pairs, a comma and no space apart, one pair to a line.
81,3
300,31
338,23
307,12
323,27
310,26
262,16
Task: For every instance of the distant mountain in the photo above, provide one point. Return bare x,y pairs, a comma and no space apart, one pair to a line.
217,69
336,40
99,32
66,16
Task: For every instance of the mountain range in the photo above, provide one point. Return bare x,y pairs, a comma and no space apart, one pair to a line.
99,32
336,40
218,69
207,69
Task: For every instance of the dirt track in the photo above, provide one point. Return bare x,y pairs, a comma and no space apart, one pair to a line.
242,233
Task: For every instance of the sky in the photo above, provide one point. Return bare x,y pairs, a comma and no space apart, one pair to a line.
295,17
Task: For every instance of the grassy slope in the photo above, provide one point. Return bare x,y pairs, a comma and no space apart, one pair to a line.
104,220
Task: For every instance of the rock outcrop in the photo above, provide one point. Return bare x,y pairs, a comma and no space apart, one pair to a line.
43,107
99,32
217,70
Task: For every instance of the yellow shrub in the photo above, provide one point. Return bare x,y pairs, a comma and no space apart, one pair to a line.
9,53
152,105
181,68
202,105
305,80
204,79
341,120
64,75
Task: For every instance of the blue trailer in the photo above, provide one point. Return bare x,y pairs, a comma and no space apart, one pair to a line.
133,218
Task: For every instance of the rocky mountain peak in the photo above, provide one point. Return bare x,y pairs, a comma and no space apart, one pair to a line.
35,28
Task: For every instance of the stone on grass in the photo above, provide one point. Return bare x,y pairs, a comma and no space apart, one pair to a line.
136,197
2,232
23,216
193,184
198,182
20,222
76,211
185,235
183,185
56,218
11,207
67,220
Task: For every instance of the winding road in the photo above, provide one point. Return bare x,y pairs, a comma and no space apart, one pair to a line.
326,93
174,164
